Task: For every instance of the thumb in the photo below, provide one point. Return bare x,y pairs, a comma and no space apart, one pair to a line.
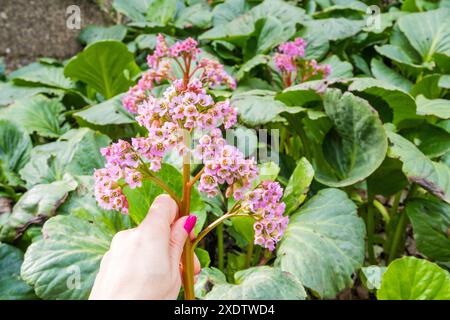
179,233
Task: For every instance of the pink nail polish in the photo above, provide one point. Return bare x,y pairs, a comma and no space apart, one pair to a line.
190,223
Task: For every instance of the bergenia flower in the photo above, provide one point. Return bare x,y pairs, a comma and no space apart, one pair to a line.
185,106
184,54
290,62
264,202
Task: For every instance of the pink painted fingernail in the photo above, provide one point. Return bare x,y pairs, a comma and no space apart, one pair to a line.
190,223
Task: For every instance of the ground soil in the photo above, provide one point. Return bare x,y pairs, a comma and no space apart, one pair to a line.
31,29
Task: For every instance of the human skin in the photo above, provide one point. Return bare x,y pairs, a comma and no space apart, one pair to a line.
144,263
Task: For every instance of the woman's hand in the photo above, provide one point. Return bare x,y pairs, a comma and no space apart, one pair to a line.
144,262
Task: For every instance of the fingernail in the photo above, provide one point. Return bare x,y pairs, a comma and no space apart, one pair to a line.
190,223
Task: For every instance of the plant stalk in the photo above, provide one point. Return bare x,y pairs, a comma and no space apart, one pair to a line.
220,251
370,227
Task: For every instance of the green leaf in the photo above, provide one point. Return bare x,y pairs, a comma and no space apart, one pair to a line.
102,66
37,114
302,93
15,148
385,74
371,276
77,152
134,9
435,107
36,205
43,75
228,11
428,32
12,287
256,107
432,140
9,92
203,257
243,26
295,191
324,243
351,145
402,104
140,199
64,264
259,283
337,28
206,278
410,278
430,220
390,170
197,15
433,176
161,11
93,33
257,60
339,69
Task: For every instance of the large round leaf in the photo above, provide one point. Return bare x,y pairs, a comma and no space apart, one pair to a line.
349,145
324,243
36,205
259,283
433,176
15,148
431,220
102,66
410,278
257,107
12,287
77,152
37,114
64,263
435,107
428,32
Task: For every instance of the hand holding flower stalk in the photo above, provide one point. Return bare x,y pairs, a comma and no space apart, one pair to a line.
186,107
292,66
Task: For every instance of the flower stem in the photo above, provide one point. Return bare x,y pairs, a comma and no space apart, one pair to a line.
370,228
220,251
249,255
188,252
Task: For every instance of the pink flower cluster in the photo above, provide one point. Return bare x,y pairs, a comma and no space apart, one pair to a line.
289,61
224,164
184,54
264,202
121,163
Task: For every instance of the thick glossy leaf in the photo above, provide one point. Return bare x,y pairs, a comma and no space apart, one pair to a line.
432,140
103,66
197,15
77,152
410,278
383,73
428,32
134,9
431,220
228,11
351,145
15,148
324,243
390,170
140,199
244,25
295,191
12,287
259,283
371,276
433,176
303,93
334,29
9,92
252,63
37,114
256,107
207,278
161,11
36,205
339,69
63,265
401,103
93,33
43,75
435,107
